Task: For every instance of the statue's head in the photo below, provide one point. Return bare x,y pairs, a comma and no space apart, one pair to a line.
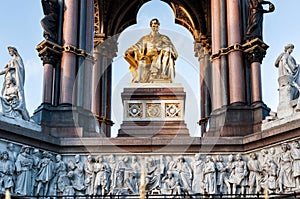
5,155
154,21
10,147
288,46
12,49
154,24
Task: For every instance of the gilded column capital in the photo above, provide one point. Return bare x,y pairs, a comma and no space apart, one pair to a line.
98,38
255,50
49,52
107,46
202,46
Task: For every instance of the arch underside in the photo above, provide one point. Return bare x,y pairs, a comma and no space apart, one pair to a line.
112,17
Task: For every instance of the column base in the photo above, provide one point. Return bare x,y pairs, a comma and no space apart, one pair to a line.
66,121
237,120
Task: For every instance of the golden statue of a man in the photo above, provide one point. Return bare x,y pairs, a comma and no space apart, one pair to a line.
152,58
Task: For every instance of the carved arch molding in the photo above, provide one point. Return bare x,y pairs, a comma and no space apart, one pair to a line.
112,17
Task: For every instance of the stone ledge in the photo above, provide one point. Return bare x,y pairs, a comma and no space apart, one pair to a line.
185,144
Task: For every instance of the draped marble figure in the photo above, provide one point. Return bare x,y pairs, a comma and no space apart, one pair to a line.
152,58
287,65
13,99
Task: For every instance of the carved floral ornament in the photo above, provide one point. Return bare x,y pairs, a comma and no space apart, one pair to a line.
155,110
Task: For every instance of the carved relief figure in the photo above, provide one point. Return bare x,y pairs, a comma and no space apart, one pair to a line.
60,169
35,169
136,170
65,185
221,174
198,176
273,156
152,175
12,152
89,175
285,177
45,174
24,164
295,153
272,174
238,178
50,20
170,163
123,177
230,169
255,18
152,57
185,174
113,165
7,169
79,174
13,100
255,171
101,170
76,180
170,184
209,175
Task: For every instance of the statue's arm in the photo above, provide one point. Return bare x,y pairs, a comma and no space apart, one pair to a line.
285,63
271,6
167,41
2,72
6,67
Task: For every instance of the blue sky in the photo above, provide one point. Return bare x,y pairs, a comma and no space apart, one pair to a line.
20,27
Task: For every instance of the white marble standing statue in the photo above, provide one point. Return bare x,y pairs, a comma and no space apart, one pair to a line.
13,99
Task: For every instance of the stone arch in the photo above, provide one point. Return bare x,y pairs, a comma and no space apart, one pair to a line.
113,18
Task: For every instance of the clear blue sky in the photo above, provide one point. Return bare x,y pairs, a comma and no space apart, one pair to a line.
20,27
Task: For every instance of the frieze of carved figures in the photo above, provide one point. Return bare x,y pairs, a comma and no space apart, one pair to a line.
30,171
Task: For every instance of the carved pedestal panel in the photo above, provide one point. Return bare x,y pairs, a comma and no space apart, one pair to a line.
284,108
153,110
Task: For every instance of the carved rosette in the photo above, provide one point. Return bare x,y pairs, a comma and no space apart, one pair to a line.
153,110
159,110
173,110
135,110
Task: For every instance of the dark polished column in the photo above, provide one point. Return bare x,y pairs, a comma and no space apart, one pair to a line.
202,51
101,104
223,44
235,60
68,62
255,51
81,59
216,63
256,82
57,73
48,83
88,73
